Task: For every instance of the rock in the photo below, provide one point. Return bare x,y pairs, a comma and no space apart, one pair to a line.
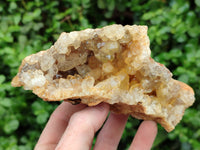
111,65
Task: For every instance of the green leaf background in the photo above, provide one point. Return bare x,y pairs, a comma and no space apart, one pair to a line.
27,27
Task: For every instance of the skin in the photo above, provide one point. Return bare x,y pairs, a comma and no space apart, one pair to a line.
73,127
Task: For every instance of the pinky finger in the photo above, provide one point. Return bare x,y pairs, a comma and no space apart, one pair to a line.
145,136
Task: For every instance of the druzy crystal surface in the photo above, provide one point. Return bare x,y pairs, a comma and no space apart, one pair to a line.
111,64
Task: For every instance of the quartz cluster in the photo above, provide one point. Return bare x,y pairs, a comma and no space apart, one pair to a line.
112,65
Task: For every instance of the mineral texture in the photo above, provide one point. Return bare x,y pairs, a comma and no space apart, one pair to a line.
111,65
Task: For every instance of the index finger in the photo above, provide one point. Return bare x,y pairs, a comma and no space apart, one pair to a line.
82,127
57,124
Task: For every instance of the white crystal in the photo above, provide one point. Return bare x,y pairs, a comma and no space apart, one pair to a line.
33,79
46,62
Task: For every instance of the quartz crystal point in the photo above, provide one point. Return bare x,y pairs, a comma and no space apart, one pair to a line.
111,65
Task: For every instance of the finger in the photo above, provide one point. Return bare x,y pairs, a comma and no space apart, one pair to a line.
56,125
111,132
145,136
82,127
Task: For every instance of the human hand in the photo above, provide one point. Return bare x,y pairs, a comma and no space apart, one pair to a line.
73,128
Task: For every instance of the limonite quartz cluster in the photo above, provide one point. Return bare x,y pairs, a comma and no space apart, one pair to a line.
112,65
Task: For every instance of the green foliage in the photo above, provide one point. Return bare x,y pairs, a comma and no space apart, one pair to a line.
27,27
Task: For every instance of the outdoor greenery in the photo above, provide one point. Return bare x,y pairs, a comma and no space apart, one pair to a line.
27,27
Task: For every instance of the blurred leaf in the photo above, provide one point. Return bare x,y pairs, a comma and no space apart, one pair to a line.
11,126
195,115
181,38
148,15
191,17
37,12
111,5
195,144
2,111
157,20
1,8
37,106
38,26
42,118
185,146
108,14
183,7
184,78
2,79
165,30
6,102
22,41
101,4
13,5
8,38
197,2
14,28
86,3
27,17
194,31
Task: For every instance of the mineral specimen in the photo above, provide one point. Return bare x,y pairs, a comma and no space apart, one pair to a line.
111,65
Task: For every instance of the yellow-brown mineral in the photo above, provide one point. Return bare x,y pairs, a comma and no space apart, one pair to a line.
111,65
